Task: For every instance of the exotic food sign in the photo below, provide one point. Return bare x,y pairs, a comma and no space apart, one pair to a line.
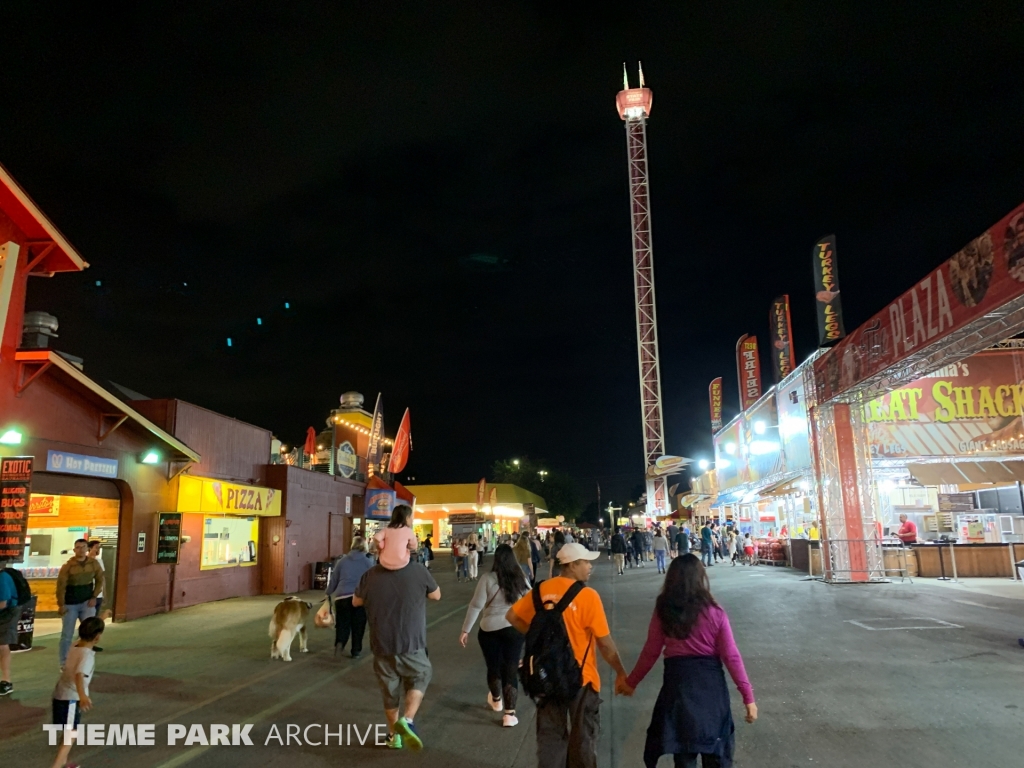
826,292
971,408
748,371
782,338
986,274
15,495
715,398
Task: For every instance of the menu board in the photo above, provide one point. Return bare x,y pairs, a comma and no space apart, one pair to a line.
15,492
168,537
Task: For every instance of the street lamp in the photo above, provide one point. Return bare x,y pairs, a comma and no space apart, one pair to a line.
611,520
515,462
703,464
542,473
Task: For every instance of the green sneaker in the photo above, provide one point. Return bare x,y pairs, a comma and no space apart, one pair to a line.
408,731
394,741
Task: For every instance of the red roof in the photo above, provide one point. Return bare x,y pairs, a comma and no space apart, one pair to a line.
376,484
41,232
403,493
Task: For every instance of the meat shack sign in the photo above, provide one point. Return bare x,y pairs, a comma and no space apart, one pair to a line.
986,274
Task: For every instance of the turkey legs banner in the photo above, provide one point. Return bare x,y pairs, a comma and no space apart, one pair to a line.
403,444
987,274
826,292
715,398
782,338
373,452
748,370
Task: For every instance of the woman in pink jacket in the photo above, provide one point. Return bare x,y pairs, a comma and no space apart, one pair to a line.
692,716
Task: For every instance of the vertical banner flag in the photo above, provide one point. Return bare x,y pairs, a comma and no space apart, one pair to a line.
403,444
493,498
748,370
373,451
715,397
481,491
782,338
826,292
16,491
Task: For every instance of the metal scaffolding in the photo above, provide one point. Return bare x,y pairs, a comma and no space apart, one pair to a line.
634,107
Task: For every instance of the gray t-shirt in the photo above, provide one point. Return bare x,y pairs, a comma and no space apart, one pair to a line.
396,607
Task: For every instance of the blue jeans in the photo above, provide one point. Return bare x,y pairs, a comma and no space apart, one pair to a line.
72,615
706,555
660,557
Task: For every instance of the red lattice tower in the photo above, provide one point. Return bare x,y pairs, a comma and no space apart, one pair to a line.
634,105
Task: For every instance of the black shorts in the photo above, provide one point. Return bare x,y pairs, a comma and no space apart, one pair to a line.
66,713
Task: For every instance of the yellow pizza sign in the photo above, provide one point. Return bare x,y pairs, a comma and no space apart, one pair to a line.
217,497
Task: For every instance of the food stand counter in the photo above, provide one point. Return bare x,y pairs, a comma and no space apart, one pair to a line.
971,559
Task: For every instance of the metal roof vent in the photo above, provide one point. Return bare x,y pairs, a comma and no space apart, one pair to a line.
352,401
38,329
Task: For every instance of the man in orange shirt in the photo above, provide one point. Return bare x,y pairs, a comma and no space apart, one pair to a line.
587,627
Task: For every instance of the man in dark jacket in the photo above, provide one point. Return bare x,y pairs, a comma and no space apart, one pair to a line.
638,546
682,542
618,551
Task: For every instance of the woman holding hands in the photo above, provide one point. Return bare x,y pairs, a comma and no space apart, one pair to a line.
692,716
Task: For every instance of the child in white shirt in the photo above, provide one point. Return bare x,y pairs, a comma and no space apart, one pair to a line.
71,694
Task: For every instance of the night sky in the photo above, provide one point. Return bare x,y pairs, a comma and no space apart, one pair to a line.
440,194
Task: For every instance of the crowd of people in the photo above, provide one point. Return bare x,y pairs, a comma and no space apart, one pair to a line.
543,628
539,628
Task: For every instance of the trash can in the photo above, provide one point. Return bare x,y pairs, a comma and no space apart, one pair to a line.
26,626
1020,570
321,575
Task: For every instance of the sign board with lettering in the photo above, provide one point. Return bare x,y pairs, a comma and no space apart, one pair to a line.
15,493
972,285
216,497
969,409
748,370
463,518
168,537
346,462
80,464
379,504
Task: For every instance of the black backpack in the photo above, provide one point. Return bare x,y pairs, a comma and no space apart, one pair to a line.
24,595
550,671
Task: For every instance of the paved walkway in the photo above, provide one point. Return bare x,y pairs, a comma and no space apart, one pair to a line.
905,675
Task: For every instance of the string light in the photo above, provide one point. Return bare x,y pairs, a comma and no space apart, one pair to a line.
360,429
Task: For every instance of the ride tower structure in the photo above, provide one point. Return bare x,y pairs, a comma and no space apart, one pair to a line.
634,105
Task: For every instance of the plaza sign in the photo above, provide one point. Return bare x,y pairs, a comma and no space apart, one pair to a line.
985,275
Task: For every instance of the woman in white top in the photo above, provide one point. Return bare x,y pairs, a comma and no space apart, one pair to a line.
501,643
474,556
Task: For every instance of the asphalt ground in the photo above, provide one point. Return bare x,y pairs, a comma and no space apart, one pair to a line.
925,678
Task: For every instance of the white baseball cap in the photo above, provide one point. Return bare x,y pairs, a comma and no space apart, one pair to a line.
570,553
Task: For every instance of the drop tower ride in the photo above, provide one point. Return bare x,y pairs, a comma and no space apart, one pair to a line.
634,105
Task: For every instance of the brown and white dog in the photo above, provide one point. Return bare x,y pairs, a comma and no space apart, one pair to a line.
290,617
